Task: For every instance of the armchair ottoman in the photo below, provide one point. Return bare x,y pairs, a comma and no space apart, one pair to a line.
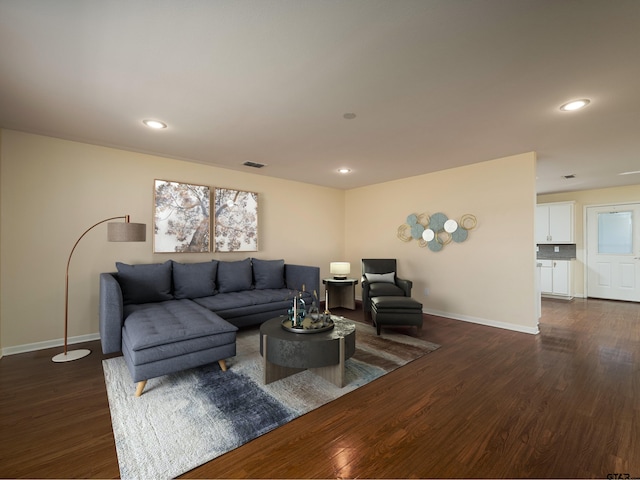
399,311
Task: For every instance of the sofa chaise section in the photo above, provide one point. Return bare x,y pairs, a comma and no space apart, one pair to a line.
165,337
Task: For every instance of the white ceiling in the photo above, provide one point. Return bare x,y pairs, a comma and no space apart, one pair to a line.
435,84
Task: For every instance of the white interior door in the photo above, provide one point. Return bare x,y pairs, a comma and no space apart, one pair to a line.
613,252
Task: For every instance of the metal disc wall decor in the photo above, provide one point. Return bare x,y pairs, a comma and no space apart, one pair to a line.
437,230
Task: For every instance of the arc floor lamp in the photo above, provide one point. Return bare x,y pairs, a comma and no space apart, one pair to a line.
116,232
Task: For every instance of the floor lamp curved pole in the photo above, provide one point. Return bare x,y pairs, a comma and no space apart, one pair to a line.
116,232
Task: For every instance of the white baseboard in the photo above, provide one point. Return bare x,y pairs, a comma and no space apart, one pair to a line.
32,347
483,321
557,297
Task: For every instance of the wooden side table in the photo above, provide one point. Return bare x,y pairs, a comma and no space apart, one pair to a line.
342,293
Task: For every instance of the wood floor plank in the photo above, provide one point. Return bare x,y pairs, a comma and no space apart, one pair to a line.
489,403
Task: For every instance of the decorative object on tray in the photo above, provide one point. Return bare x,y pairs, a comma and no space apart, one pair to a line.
298,311
181,217
317,324
313,310
437,230
301,320
326,302
236,220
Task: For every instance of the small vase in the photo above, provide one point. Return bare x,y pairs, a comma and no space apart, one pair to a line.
302,310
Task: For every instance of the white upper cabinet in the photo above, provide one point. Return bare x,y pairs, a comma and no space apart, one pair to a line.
555,223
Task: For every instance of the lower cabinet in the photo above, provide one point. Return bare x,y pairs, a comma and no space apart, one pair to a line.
555,278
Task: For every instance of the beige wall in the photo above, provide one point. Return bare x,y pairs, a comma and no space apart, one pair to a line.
53,190
490,278
584,199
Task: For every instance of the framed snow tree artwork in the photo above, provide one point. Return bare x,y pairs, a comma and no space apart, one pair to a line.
181,217
236,220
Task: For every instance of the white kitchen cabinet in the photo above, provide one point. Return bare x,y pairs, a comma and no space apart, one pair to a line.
555,278
555,223
561,277
546,276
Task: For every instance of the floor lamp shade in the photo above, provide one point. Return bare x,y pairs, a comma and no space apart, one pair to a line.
116,232
126,232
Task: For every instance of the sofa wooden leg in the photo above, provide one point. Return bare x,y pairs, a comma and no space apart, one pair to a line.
140,387
223,365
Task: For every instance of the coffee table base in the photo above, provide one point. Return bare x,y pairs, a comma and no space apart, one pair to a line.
285,353
332,373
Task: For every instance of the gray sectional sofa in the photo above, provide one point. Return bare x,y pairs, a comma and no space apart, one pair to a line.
170,316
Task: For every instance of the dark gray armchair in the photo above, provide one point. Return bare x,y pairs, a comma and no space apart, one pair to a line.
380,279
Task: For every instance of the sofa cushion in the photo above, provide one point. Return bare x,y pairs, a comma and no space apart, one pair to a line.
145,283
163,323
268,273
193,280
234,276
381,277
226,301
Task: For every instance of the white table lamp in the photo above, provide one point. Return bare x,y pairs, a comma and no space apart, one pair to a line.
340,270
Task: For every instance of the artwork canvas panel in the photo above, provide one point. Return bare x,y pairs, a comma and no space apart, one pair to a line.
236,220
181,217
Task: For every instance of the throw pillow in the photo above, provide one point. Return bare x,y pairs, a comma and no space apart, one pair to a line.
268,273
234,276
381,277
194,280
145,283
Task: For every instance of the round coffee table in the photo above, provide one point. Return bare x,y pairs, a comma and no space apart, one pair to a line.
323,353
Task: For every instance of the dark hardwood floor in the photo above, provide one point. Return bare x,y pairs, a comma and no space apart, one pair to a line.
490,403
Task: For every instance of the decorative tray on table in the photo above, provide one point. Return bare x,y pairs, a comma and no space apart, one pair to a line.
310,324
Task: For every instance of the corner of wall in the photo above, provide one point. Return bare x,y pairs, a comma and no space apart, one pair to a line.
1,190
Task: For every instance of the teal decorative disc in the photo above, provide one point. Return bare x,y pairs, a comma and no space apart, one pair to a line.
437,222
416,231
460,235
434,245
412,219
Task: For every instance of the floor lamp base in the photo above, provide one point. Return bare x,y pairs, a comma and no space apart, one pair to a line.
71,355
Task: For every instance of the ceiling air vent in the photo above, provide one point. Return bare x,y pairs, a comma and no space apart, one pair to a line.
253,164
569,176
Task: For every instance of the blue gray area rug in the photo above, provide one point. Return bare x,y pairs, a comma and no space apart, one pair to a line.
188,418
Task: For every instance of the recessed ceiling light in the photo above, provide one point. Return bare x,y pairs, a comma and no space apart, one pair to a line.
344,170
349,116
575,105
154,124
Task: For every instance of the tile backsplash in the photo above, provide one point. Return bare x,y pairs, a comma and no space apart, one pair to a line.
566,251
